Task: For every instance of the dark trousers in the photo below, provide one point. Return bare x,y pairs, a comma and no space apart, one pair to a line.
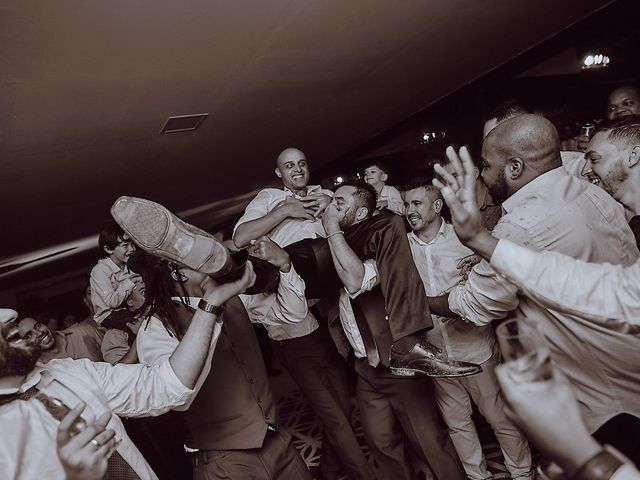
314,364
278,459
384,239
395,410
623,433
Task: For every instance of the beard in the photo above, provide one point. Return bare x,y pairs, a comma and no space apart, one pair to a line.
499,190
348,219
614,177
16,361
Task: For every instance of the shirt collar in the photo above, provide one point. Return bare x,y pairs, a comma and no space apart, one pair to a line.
310,189
546,179
442,232
113,267
33,378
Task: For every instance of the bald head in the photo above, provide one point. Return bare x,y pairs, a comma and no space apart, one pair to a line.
292,168
530,137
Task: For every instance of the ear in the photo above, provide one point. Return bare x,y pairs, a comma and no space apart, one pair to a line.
108,250
634,156
278,173
515,168
437,205
362,213
384,177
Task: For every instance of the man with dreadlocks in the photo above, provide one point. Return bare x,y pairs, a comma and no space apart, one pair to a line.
234,410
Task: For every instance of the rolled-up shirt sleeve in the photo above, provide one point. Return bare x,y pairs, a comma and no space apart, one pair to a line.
369,279
139,390
291,304
487,295
606,294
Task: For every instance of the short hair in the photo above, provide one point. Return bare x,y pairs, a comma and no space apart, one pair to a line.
365,195
506,110
623,132
378,164
110,236
426,183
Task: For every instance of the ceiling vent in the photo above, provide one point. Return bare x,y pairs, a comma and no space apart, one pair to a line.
183,123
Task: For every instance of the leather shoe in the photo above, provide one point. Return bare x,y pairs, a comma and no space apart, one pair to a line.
429,360
158,231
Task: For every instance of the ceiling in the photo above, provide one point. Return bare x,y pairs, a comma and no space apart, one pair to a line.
87,86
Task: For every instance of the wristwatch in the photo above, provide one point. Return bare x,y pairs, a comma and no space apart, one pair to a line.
207,307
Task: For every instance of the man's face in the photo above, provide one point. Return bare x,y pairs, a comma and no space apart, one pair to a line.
123,250
36,333
606,161
420,209
374,176
492,172
622,102
345,204
292,168
17,356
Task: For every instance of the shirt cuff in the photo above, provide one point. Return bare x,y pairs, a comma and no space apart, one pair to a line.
294,280
177,392
513,260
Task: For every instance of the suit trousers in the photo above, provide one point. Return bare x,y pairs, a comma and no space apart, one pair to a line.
278,459
314,364
395,410
452,397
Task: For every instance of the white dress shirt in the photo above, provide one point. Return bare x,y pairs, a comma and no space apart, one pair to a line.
442,264
393,198
606,294
28,442
284,313
563,213
348,318
290,230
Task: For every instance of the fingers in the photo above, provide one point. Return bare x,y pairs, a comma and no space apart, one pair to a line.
449,196
454,160
109,447
450,180
469,173
64,429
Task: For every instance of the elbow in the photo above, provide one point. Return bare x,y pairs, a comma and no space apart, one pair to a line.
240,238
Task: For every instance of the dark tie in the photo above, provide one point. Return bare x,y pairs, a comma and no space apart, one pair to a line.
117,467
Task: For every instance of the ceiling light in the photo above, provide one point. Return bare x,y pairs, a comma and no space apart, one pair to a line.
599,60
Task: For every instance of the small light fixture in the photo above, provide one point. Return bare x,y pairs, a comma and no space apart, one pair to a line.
599,60
339,180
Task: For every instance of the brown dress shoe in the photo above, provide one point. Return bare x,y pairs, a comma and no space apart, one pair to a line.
158,231
426,359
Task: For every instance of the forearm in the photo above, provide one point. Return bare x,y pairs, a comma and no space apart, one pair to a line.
131,356
189,357
484,244
349,267
254,229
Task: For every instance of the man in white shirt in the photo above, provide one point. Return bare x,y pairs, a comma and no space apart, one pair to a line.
443,262
550,210
34,398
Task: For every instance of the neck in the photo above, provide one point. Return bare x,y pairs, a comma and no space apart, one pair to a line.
629,197
301,192
120,264
428,233
13,381
378,186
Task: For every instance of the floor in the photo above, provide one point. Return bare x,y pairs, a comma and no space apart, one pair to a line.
297,417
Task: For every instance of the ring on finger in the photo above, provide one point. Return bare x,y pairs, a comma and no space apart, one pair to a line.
95,442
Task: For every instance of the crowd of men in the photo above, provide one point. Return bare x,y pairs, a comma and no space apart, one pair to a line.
367,282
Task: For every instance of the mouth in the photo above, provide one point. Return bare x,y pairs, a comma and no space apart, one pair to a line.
414,219
297,176
14,336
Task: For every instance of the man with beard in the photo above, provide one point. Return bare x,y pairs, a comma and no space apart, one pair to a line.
71,342
397,413
548,209
40,405
613,156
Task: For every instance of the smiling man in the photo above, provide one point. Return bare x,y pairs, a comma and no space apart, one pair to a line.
68,343
289,214
623,101
614,156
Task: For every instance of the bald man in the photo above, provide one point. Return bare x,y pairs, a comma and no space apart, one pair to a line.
623,101
289,214
548,209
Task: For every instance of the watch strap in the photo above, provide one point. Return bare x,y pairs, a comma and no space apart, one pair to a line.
209,308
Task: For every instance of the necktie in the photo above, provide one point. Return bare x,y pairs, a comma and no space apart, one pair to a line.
117,467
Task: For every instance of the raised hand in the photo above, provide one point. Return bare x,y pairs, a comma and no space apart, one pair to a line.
331,219
218,294
269,251
84,455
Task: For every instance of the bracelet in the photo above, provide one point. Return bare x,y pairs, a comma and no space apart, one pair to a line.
599,467
339,232
209,308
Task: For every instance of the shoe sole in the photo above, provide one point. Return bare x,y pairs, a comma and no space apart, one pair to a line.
157,231
410,372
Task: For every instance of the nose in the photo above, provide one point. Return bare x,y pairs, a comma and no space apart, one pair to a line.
586,168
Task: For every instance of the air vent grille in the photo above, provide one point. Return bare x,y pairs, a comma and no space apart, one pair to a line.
183,123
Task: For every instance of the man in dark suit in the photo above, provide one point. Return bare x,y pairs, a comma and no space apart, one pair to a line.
394,409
